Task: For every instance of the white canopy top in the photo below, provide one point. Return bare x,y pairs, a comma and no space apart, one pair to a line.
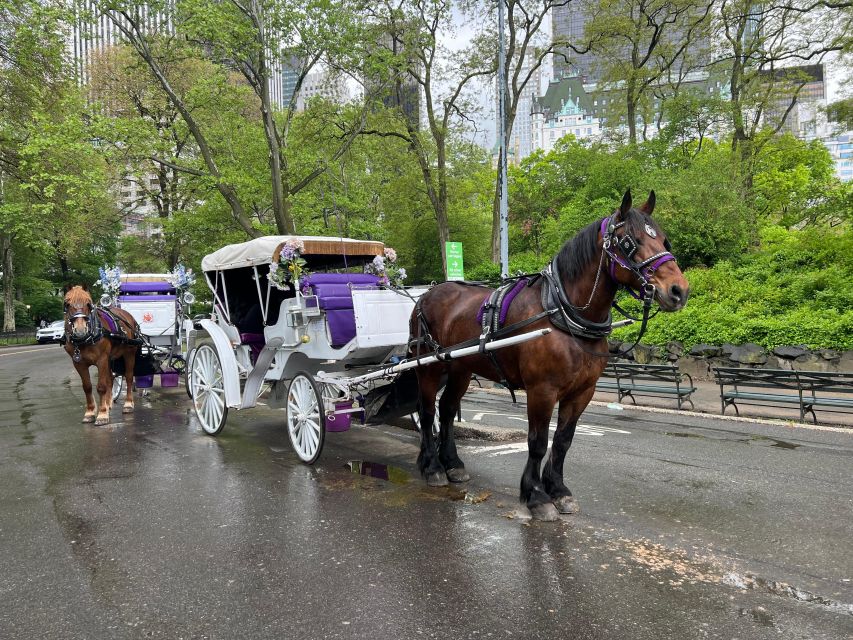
260,250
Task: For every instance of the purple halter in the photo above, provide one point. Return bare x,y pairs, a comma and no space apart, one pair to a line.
628,245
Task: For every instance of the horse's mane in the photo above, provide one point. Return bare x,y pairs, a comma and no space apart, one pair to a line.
78,296
577,252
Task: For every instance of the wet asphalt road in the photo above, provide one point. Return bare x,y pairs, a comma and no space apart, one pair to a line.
690,528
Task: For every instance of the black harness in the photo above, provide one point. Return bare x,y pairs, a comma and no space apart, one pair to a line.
96,330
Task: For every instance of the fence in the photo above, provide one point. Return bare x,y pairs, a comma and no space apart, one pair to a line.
24,336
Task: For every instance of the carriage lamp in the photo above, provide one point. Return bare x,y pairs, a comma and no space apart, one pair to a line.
306,339
106,300
189,298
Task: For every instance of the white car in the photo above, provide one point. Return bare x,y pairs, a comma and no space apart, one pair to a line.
53,332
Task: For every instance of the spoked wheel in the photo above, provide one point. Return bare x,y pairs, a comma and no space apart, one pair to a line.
188,373
306,417
436,427
118,384
208,390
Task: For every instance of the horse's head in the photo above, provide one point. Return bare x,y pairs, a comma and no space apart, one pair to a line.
78,313
640,254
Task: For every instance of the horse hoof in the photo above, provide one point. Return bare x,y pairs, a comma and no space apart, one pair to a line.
88,419
544,512
128,408
102,421
458,475
437,479
567,504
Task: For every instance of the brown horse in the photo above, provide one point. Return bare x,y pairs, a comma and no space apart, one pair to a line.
95,337
573,295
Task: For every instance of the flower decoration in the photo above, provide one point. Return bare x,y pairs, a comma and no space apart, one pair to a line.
386,267
181,277
110,280
289,266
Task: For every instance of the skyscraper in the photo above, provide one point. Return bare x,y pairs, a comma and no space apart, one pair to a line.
568,23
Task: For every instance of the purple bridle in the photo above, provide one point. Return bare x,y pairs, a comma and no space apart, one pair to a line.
628,245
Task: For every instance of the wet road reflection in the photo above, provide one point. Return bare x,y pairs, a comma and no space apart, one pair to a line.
148,528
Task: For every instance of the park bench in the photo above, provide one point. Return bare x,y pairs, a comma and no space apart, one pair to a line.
769,387
660,380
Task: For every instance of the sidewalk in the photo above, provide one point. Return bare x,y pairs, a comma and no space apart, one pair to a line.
706,399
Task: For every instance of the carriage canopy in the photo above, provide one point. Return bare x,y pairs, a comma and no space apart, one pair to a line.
320,252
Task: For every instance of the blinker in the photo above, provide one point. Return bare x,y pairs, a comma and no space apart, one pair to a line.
628,246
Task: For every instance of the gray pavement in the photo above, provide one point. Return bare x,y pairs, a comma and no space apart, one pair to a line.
691,527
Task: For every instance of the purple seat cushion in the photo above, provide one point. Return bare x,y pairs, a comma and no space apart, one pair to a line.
146,287
256,342
340,278
341,326
334,295
146,298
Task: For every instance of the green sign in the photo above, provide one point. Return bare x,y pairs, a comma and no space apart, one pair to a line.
455,268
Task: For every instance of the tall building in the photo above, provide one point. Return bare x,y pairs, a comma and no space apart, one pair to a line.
322,84
806,118
841,149
400,92
520,141
568,23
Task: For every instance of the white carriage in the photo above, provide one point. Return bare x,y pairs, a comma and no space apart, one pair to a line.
330,346
159,309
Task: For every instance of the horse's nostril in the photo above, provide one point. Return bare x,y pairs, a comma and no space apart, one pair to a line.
676,293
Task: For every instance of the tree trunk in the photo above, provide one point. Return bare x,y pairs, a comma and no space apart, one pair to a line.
8,282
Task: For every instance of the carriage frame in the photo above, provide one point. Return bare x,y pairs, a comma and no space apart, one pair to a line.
331,345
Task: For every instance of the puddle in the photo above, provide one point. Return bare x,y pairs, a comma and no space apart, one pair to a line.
681,434
781,444
785,590
379,471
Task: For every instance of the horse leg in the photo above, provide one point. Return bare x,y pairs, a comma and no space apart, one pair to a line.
105,389
129,364
539,409
83,371
552,475
428,461
448,406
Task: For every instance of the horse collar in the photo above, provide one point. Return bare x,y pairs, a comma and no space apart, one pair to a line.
569,318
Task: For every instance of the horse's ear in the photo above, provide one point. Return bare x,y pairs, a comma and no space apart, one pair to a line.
85,287
649,205
625,207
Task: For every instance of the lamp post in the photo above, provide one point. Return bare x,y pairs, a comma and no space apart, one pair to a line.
504,201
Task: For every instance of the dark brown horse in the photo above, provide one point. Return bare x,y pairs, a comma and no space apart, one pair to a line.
95,337
627,249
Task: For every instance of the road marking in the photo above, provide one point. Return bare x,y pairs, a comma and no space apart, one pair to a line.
582,429
17,352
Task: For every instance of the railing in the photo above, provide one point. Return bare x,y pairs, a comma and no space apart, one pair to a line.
24,336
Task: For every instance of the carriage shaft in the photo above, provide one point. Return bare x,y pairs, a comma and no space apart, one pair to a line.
449,355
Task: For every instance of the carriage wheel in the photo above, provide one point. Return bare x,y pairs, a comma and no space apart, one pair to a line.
118,384
188,373
208,390
306,417
436,426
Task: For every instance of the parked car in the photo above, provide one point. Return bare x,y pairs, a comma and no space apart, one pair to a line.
53,332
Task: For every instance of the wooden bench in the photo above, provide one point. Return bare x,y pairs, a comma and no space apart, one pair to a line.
660,380
771,387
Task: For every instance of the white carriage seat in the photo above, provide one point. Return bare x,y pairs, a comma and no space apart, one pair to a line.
334,297
152,305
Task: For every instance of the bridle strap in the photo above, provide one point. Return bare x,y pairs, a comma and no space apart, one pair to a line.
643,270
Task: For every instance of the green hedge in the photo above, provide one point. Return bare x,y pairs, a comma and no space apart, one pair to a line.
794,289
